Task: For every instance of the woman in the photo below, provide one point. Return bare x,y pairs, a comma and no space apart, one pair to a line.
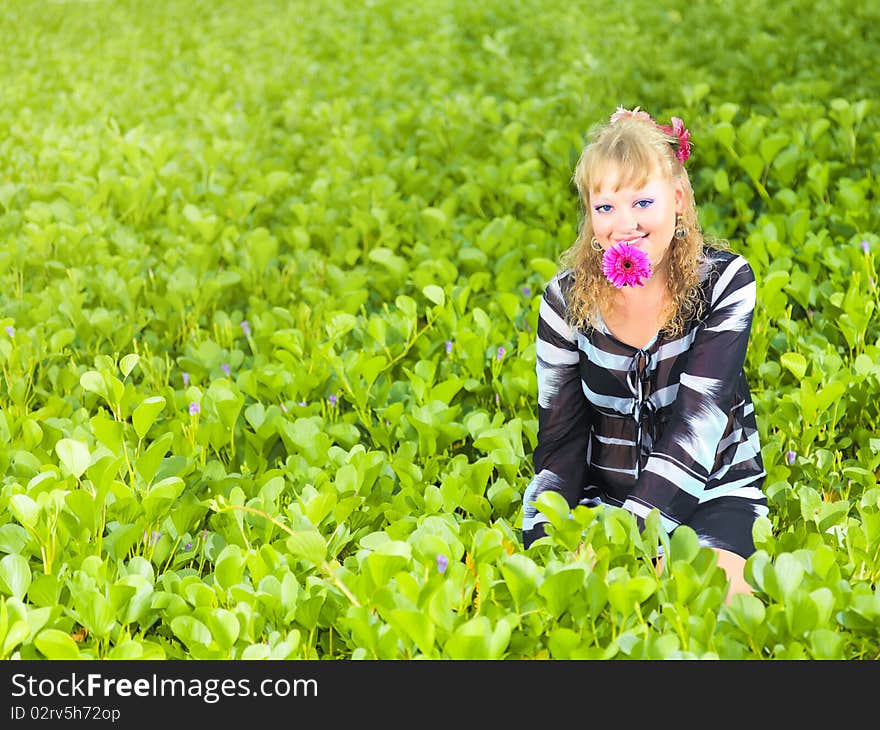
643,402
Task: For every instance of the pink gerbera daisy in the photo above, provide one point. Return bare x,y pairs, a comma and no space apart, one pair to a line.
626,265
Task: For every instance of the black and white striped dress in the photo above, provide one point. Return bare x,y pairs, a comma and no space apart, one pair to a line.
669,426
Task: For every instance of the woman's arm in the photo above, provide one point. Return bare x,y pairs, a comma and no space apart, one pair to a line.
561,453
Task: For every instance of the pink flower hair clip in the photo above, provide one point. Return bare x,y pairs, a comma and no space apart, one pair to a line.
677,129
684,145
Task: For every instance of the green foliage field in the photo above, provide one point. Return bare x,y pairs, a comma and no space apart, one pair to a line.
269,278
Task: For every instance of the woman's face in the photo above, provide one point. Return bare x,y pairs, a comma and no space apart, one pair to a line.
643,216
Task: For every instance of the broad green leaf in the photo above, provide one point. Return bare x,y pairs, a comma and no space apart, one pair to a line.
93,381
522,577
109,432
224,627
96,613
784,577
415,626
26,510
553,506
127,364
15,575
150,460
160,497
144,416
56,644
191,631
562,587
796,363
74,455
827,644
308,545
17,632
229,567
435,294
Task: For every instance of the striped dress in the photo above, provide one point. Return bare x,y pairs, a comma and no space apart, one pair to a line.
669,426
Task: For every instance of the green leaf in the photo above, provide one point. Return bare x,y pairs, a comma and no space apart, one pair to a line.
191,631
562,587
827,644
224,627
546,268
795,363
26,511
229,567
784,577
161,496
753,165
144,416
108,431
553,506
386,561
127,364
93,382
522,577
308,545
97,614
150,460
74,455
435,294
15,575
55,644
412,624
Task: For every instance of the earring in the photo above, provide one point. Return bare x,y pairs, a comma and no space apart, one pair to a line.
681,230
594,243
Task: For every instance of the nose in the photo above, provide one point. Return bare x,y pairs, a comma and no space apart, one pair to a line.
626,220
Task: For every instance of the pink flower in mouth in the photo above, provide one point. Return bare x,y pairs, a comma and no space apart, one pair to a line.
626,265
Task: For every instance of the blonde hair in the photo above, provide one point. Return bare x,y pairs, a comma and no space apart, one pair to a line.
638,149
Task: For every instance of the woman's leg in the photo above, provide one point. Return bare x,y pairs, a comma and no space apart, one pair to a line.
733,565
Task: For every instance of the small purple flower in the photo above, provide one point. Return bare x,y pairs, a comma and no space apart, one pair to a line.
246,327
194,408
10,330
225,368
283,407
866,247
185,380
448,346
527,291
302,403
332,398
156,536
188,546
205,535
790,457
442,563
500,354
497,399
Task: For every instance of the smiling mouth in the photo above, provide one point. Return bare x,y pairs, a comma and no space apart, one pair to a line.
629,241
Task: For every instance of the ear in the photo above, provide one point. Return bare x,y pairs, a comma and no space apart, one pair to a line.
679,195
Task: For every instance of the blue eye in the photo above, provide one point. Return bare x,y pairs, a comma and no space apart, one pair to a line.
644,203
603,208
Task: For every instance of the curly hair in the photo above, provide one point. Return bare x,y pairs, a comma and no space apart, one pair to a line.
638,149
